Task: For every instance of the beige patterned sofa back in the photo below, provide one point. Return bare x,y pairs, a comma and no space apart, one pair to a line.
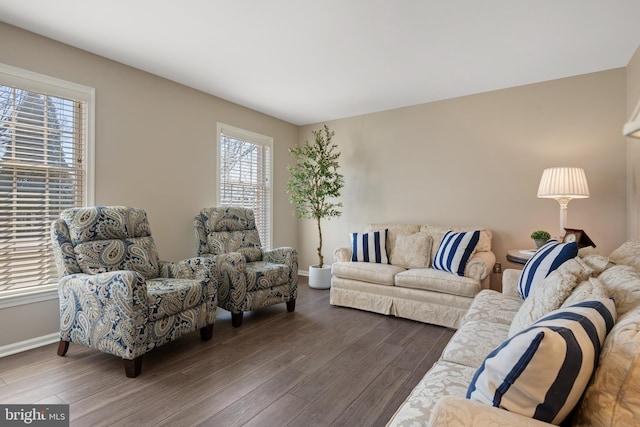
436,232
613,395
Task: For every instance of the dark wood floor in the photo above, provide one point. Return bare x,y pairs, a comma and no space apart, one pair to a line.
319,366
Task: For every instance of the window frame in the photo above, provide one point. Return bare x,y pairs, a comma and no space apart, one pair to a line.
36,82
254,138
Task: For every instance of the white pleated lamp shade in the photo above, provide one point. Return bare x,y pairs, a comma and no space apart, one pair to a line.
563,182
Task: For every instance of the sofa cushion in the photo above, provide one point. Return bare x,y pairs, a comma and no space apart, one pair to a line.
546,259
172,296
627,254
455,250
265,275
443,379
492,306
473,341
412,250
369,247
458,411
612,398
381,274
622,283
430,279
542,371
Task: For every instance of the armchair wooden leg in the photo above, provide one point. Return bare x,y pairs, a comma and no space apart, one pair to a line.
206,333
236,319
132,367
63,346
291,305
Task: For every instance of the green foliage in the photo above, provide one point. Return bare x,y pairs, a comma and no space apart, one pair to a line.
314,181
540,235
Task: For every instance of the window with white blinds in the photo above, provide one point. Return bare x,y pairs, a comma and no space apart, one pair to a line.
43,170
245,174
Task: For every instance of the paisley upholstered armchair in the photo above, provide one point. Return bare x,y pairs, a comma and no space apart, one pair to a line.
263,278
116,296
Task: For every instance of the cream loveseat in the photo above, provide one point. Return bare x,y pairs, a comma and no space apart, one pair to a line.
409,287
612,395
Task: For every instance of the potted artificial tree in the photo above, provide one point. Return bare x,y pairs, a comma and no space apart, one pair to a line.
313,186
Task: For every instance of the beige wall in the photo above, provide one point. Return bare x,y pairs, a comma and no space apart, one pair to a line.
155,148
633,150
470,160
477,160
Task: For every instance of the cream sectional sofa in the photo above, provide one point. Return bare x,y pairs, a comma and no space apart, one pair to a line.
409,287
612,396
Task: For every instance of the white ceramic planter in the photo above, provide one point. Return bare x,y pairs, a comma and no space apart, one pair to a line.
320,278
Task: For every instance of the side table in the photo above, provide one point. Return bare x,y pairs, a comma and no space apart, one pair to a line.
520,256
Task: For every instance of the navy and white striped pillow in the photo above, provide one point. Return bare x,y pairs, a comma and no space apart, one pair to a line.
455,250
369,247
550,256
542,371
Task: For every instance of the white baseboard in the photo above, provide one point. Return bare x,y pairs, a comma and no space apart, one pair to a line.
303,273
21,346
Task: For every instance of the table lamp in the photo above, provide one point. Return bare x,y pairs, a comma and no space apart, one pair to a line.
563,184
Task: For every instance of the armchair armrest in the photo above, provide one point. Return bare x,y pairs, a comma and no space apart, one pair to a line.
342,254
480,265
107,311
459,411
207,270
510,278
202,269
284,255
288,256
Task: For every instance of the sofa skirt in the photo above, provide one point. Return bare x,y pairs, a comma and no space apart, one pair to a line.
415,304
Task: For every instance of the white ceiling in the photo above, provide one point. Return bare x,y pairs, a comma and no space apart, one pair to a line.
308,61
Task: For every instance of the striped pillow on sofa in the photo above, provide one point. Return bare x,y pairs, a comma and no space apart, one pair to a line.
542,371
369,247
455,250
549,257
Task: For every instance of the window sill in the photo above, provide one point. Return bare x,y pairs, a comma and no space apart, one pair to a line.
27,296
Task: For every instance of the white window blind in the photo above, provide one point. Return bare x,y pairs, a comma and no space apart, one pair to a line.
245,175
43,170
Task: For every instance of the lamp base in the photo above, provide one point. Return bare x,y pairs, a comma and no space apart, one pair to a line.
564,202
